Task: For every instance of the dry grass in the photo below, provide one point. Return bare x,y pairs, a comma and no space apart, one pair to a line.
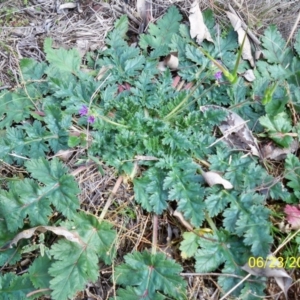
22,31
24,27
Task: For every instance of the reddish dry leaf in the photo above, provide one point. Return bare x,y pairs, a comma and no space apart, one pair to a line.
176,80
188,86
123,87
293,215
40,113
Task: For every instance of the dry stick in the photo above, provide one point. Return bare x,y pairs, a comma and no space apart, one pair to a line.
293,29
286,241
230,291
154,236
228,132
36,292
111,198
218,275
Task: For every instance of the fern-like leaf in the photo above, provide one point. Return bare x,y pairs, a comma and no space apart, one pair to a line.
77,264
61,59
160,34
150,273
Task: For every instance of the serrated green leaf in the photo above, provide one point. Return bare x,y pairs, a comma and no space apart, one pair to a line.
278,103
38,272
74,141
231,216
228,282
278,72
140,185
274,46
253,290
255,228
211,254
149,191
292,173
61,59
189,244
121,25
14,287
72,270
216,202
47,172
133,65
99,236
151,273
278,127
60,188
185,188
77,264
14,107
16,209
160,35
31,69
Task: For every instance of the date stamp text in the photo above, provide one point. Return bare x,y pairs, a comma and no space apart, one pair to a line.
274,262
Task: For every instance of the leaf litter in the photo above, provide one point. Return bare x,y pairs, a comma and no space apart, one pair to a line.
235,131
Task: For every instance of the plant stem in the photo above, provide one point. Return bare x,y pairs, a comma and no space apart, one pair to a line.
180,105
211,223
111,122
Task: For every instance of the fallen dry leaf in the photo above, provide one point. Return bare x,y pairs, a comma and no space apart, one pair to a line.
181,218
293,215
198,28
274,152
249,75
68,5
172,61
235,131
213,178
64,155
28,233
237,25
271,269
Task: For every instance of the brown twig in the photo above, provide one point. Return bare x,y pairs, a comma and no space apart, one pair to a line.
111,198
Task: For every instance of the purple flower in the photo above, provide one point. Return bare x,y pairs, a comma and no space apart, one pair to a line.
91,119
218,75
83,111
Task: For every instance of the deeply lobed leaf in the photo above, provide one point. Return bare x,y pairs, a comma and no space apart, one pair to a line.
150,273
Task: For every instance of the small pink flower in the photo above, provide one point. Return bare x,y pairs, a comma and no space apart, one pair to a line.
83,111
218,75
91,119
